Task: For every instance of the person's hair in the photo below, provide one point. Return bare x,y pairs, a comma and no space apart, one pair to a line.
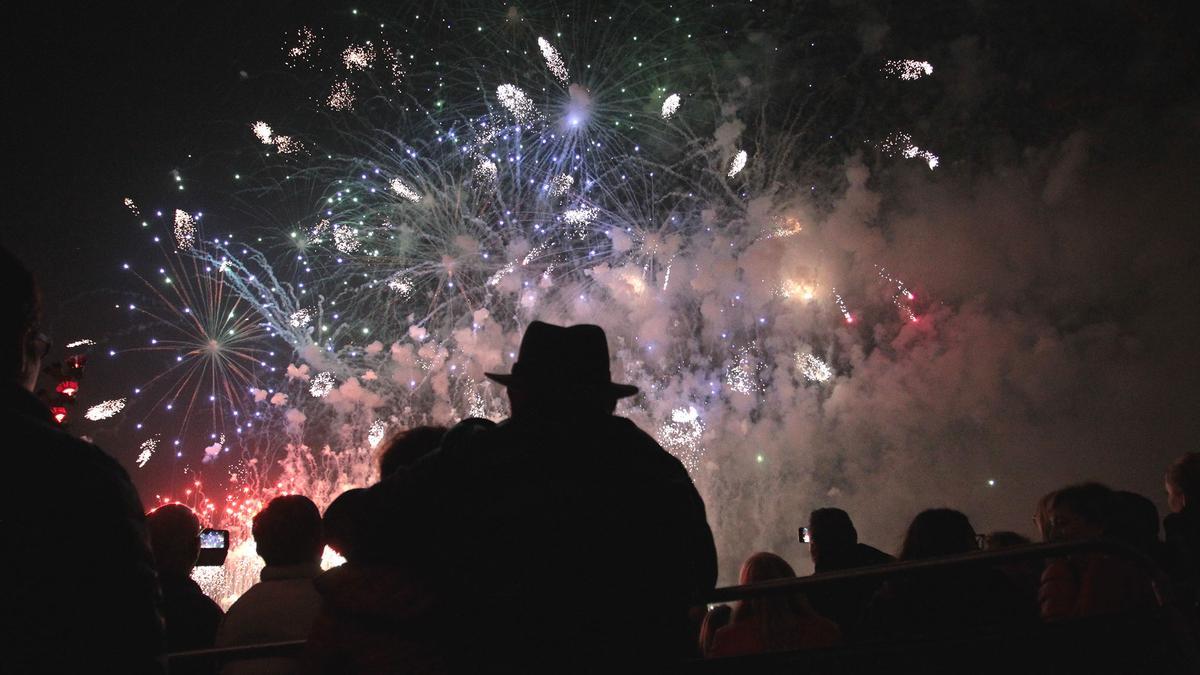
405,447
22,314
288,531
831,528
1003,539
174,533
1134,520
1092,502
938,532
775,615
1184,476
716,619
1045,507
347,525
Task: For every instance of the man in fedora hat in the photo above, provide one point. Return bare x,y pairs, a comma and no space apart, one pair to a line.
564,535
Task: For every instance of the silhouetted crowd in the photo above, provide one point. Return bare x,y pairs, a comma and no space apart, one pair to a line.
562,538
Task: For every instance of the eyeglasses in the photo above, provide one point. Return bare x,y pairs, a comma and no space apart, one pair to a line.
45,342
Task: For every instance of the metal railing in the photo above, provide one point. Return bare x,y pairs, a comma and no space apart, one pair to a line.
861,575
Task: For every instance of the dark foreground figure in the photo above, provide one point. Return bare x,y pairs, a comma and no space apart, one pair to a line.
564,537
80,589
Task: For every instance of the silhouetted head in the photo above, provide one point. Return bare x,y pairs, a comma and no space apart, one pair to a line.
405,447
1134,520
348,525
1183,482
764,566
288,531
24,345
175,539
1081,511
995,541
938,532
1043,513
832,537
562,370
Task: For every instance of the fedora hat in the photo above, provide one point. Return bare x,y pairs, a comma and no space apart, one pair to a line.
556,357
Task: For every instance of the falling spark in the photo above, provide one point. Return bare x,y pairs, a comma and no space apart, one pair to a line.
300,318
516,102
402,189
185,230
907,69
341,96
322,384
886,276
535,253
85,342
105,410
670,105
345,238
375,434
560,184
813,369
147,450
263,131
553,60
131,206
842,307
359,57
738,163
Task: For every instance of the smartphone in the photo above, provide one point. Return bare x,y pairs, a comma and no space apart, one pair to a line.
214,546
805,538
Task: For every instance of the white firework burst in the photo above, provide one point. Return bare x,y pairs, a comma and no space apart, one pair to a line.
907,69
105,409
486,171
560,184
185,230
376,432
401,283
359,57
553,60
132,207
263,132
321,384
517,103
813,369
341,96
345,238
738,163
682,434
402,189
301,318
670,105
85,342
147,451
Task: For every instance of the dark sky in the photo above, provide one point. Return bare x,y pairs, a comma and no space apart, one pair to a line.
104,101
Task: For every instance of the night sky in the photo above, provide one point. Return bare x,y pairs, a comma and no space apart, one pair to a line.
104,102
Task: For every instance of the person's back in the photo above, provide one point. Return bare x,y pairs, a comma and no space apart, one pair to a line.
834,547
81,591
541,517
284,604
1181,528
570,523
772,623
191,616
934,602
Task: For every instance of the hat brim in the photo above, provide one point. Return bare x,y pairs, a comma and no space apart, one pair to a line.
510,380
